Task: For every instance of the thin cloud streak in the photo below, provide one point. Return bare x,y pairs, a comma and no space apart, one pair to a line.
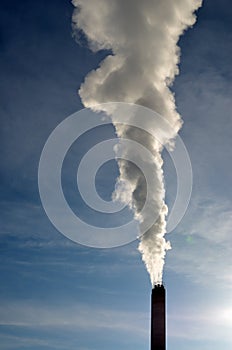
203,250
201,323
72,317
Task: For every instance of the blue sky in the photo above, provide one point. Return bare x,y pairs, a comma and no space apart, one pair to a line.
56,294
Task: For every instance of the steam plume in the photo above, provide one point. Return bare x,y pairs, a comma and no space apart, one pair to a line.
143,37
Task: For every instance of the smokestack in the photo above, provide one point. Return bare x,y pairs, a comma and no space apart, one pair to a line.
158,320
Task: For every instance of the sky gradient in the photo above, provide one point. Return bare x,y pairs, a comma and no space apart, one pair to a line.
56,294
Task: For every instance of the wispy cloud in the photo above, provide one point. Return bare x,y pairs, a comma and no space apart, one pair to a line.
12,342
79,317
204,323
202,246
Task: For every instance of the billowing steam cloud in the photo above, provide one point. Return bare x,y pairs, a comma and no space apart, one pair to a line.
142,37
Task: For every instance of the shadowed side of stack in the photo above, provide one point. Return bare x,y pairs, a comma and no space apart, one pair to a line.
158,319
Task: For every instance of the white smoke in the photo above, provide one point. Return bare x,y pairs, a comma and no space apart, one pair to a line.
143,37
